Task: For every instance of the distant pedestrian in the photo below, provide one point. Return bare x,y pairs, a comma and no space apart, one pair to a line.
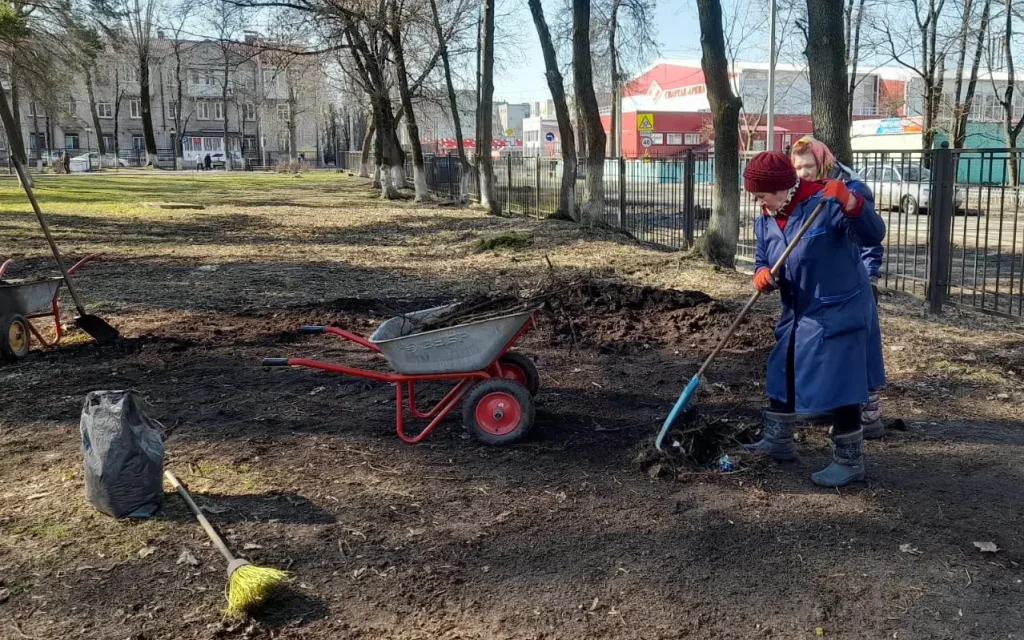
65,159
208,162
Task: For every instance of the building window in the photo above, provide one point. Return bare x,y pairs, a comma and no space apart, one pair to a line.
674,138
218,110
138,143
71,141
787,140
202,110
284,112
248,111
172,109
130,74
245,80
104,110
35,143
201,77
108,143
32,110
657,138
691,139
270,79
72,108
135,109
759,145
249,144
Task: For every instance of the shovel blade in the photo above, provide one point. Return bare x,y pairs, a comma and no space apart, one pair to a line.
98,328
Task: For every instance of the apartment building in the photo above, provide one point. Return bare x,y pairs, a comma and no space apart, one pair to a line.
249,101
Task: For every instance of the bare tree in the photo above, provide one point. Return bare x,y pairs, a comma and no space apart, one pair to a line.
632,38
923,53
465,168
590,127
963,109
484,119
1012,126
718,244
567,192
139,19
826,56
854,21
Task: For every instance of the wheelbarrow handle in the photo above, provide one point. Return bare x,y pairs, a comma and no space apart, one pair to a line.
312,328
275,362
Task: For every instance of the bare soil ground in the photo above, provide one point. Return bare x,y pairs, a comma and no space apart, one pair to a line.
562,536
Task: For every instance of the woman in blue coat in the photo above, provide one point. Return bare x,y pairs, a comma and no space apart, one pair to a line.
813,160
818,364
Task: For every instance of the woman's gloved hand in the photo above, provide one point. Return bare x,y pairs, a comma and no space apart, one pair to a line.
837,190
764,281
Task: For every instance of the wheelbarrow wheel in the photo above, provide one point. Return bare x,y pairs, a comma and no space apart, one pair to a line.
498,412
520,368
15,337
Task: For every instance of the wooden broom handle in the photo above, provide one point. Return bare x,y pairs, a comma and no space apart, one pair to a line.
210,531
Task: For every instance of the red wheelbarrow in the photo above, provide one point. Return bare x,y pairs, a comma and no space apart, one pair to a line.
495,384
22,301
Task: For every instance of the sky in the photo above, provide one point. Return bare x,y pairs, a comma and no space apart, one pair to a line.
523,80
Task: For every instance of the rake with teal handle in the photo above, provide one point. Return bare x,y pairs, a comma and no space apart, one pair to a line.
691,388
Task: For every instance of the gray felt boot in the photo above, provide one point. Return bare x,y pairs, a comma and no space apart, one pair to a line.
847,462
871,417
777,439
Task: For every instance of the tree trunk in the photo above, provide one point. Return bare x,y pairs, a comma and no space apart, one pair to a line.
960,136
147,113
39,146
830,106
224,110
465,168
965,29
15,138
96,122
12,129
614,149
364,164
419,176
567,139
1012,129
718,244
485,120
853,49
583,81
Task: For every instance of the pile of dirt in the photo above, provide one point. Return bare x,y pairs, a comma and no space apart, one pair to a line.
618,317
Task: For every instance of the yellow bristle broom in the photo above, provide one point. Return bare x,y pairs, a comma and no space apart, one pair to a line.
249,586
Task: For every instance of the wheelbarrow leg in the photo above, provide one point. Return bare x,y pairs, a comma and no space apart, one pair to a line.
442,412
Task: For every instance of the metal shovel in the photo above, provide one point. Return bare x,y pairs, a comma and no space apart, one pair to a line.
691,388
95,326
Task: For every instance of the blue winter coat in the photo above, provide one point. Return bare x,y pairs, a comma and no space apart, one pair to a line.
826,301
871,256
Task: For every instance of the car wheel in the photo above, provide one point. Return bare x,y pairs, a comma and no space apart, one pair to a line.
909,206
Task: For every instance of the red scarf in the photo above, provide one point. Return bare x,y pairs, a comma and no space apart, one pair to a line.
804,192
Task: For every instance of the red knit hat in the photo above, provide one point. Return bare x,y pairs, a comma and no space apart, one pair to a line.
768,172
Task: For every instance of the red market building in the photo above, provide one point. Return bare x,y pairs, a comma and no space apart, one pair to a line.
666,110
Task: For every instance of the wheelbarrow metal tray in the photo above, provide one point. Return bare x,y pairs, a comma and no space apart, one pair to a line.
28,297
463,348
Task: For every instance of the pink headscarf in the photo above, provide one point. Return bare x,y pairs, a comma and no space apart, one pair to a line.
821,153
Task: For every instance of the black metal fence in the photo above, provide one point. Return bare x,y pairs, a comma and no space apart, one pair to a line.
955,229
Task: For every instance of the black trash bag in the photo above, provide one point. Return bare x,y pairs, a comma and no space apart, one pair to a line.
124,455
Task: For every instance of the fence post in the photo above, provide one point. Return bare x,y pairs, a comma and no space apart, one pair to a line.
508,165
689,182
449,160
536,164
622,193
940,211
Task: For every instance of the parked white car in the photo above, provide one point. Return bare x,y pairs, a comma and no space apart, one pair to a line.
906,187
93,161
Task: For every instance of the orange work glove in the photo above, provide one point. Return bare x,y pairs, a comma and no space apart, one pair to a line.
838,191
764,281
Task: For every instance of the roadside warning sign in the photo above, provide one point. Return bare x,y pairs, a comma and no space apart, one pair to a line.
645,122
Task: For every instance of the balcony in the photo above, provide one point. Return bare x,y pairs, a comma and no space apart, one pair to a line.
205,90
